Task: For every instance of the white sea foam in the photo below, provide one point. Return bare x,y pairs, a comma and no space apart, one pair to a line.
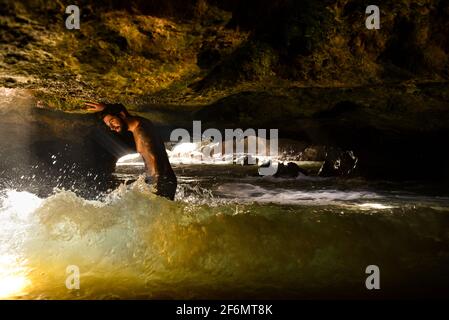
134,244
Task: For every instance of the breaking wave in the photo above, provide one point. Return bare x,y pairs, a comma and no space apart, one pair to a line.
132,244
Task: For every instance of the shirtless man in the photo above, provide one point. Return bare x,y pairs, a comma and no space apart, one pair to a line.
148,144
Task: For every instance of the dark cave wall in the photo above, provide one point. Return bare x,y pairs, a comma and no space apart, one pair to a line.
397,132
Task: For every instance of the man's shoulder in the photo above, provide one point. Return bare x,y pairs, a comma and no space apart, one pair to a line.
142,122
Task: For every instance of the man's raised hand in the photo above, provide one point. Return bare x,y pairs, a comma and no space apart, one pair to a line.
95,106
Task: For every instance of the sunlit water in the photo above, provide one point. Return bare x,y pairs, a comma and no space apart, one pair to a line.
229,234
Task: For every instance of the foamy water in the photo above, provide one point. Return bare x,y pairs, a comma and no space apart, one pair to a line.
238,240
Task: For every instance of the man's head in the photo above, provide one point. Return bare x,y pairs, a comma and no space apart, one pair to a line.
114,116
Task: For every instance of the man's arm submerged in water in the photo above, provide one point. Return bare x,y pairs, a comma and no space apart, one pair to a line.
152,149
145,146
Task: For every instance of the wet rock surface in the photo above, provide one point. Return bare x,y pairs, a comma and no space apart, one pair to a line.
198,51
289,170
338,163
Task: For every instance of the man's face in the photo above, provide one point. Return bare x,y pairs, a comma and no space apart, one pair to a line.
115,123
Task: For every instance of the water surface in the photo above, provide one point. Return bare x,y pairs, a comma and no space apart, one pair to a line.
229,234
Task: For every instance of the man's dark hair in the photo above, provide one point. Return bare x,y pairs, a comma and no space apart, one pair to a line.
113,109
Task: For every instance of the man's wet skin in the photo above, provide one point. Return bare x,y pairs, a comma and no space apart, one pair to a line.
150,146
